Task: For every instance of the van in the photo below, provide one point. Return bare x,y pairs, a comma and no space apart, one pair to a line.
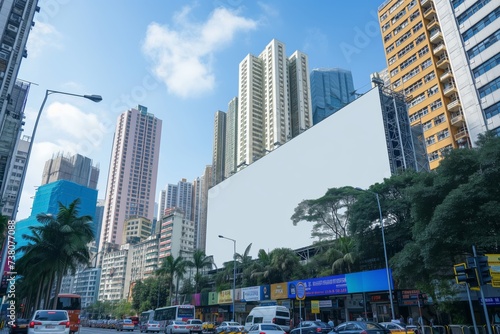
279,315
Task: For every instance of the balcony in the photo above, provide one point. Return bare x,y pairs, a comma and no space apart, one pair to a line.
434,23
429,11
439,49
443,62
425,3
461,134
457,119
447,74
436,36
449,89
454,105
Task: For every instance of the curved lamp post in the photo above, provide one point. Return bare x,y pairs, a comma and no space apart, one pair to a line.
385,249
94,98
234,272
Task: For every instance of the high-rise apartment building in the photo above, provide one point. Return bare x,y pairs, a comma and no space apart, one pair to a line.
136,229
441,55
231,137
12,193
200,206
16,19
132,173
471,33
274,101
219,148
331,90
178,195
76,168
176,235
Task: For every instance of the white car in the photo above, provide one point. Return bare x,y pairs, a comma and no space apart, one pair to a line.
266,328
49,321
177,327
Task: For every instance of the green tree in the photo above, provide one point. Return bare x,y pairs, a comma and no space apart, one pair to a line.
200,262
329,213
59,243
170,268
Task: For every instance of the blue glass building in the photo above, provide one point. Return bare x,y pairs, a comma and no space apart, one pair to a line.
331,89
47,200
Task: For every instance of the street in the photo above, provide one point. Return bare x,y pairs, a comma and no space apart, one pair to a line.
91,330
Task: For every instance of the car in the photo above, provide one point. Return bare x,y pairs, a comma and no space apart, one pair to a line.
125,325
49,321
311,327
150,326
399,327
208,326
224,326
266,329
19,326
194,325
176,327
358,327
230,329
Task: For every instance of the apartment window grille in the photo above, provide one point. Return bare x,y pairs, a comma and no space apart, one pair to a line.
436,104
417,100
420,39
411,74
408,62
433,156
439,119
417,27
419,114
427,125
406,49
403,38
443,134
414,15
433,90
430,140
429,77
423,51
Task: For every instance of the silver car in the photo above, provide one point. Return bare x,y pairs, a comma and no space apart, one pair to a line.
49,322
177,327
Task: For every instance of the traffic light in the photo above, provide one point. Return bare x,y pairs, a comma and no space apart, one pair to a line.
483,270
465,275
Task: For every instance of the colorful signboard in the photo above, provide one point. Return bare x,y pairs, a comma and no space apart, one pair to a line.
225,296
494,263
213,298
367,281
250,294
265,292
279,291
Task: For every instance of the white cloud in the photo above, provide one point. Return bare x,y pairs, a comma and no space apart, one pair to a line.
182,58
41,37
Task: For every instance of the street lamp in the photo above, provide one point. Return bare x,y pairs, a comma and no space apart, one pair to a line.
94,98
234,272
385,249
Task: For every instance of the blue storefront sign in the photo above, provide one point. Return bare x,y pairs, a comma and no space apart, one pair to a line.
367,281
490,301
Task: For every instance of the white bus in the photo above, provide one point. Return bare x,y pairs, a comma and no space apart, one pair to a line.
176,312
146,316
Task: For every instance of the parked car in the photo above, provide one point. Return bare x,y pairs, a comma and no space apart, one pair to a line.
20,326
194,325
311,327
150,326
208,326
399,327
176,327
49,321
125,325
358,327
266,329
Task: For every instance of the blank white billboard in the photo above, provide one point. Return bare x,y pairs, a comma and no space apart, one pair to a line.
254,206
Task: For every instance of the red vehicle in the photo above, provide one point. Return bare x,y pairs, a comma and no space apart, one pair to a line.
135,321
73,304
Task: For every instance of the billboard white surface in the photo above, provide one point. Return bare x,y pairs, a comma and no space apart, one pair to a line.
254,206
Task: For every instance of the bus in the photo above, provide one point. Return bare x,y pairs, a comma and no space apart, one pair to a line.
145,317
135,321
73,304
176,312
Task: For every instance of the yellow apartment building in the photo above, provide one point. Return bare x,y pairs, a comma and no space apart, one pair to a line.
419,66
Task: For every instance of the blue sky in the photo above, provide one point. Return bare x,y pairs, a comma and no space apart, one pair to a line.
179,59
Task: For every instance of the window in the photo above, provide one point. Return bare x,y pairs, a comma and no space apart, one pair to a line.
439,119
471,11
436,105
486,43
492,110
427,125
487,65
433,90
481,24
443,134
489,88
408,62
433,156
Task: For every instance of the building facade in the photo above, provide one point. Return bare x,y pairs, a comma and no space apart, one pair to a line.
136,229
16,19
176,235
219,148
471,33
75,168
419,67
331,89
113,275
133,172
274,101
231,137
12,193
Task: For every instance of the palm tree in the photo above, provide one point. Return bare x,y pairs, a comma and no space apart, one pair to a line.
171,267
245,267
200,261
342,255
59,243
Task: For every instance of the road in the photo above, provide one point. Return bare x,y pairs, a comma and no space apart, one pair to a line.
90,330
